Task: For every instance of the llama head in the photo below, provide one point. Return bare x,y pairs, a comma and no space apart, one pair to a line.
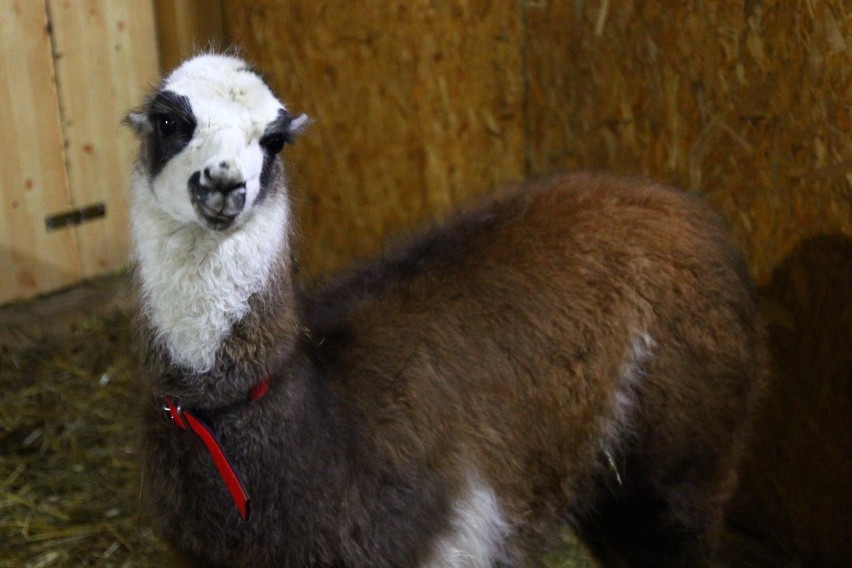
210,137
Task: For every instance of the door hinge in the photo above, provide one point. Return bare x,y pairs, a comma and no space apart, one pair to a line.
75,217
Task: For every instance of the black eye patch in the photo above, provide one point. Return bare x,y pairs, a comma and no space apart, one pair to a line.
277,133
173,124
274,143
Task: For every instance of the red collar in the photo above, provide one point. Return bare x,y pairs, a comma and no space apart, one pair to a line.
187,420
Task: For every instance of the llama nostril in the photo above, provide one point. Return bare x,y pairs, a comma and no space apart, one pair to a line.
214,200
218,192
235,199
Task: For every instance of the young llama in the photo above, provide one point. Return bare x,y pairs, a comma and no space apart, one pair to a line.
581,351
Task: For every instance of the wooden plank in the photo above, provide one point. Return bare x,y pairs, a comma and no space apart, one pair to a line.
186,26
32,180
106,60
418,105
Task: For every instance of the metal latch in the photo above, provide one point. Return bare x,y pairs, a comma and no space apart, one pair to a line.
75,217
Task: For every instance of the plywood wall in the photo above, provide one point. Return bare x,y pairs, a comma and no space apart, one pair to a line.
417,105
745,102
421,104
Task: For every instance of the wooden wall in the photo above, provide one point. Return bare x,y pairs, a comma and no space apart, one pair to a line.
745,102
105,54
186,26
420,104
69,72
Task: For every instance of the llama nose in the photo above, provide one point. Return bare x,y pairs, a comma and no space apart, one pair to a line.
220,194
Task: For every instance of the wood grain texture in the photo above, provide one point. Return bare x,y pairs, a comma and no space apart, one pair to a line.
745,102
186,26
106,60
33,182
417,106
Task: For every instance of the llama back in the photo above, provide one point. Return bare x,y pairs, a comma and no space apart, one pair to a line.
551,342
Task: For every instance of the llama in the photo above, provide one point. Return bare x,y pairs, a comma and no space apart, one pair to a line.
579,351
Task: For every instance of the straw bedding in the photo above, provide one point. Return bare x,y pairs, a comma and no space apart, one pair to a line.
69,473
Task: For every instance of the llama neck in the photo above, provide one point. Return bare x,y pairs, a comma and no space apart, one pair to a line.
205,296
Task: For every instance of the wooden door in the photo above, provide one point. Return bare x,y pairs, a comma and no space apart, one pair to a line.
69,71
33,182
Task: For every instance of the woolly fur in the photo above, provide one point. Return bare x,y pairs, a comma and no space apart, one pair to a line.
196,282
479,532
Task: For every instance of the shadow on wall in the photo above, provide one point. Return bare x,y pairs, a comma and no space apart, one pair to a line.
796,484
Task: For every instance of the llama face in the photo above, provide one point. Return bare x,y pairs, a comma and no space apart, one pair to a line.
210,139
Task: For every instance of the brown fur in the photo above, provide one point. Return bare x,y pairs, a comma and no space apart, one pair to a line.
496,342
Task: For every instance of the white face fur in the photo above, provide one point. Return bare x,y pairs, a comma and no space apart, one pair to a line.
207,218
208,132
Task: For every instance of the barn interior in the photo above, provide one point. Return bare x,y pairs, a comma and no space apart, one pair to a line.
419,106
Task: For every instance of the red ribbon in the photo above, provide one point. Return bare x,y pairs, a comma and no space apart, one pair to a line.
185,419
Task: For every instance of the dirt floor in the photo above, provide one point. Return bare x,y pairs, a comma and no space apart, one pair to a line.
69,463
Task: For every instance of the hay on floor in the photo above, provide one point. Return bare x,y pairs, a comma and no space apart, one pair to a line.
69,474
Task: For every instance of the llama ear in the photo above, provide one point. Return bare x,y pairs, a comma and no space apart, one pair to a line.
138,122
297,125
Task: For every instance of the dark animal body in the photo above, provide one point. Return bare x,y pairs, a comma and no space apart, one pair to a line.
585,346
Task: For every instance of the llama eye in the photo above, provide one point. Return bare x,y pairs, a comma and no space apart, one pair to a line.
273,143
166,126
